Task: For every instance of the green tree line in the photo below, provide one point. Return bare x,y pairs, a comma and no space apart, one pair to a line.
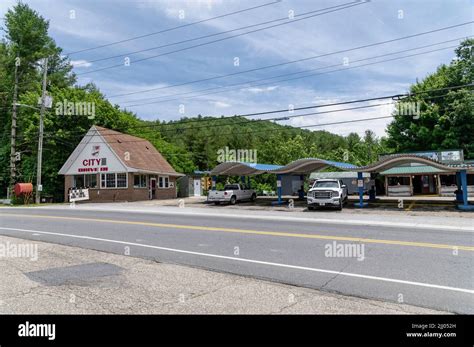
446,122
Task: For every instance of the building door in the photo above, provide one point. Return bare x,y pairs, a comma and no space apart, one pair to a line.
424,184
417,185
197,187
428,184
152,188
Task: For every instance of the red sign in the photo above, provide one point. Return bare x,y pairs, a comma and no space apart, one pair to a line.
90,165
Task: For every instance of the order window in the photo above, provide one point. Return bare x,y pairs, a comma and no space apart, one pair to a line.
163,182
139,181
112,180
121,180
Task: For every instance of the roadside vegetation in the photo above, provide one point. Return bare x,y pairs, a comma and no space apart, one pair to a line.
446,122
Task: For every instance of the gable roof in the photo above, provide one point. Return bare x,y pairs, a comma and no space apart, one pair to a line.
142,155
135,153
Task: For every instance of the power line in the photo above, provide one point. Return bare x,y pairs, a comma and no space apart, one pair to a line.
266,130
283,75
292,79
222,39
296,109
295,61
291,128
174,28
277,118
209,35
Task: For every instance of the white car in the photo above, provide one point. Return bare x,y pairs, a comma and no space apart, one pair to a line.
231,194
327,193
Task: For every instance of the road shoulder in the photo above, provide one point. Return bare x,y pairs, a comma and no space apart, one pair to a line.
71,280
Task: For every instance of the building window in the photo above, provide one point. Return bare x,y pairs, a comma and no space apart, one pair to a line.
448,180
399,181
139,181
112,180
121,180
78,181
163,182
85,181
470,180
91,181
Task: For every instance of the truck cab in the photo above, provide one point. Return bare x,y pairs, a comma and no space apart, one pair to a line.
231,194
327,193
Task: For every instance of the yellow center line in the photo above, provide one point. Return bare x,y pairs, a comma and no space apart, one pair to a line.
411,206
255,232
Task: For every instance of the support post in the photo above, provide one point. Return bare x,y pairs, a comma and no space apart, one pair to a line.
301,191
464,186
459,188
13,134
40,139
279,201
213,182
360,186
465,206
279,189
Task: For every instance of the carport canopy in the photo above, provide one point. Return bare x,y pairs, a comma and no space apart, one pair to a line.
308,165
297,167
403,159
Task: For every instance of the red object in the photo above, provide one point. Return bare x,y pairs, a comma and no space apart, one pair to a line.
23,188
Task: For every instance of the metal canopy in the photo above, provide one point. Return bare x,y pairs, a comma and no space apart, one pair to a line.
242,169
402,159
308,165
297,167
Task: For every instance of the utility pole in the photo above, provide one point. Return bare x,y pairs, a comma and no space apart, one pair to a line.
40,140
13,133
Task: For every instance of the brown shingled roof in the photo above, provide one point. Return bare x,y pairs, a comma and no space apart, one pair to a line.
142,154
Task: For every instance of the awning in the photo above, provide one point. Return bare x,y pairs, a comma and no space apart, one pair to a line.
297,167
414,170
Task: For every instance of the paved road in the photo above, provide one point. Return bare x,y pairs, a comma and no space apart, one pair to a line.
429,268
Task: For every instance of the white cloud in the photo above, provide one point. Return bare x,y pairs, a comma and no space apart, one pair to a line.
220,104
80,63
191,9
259,90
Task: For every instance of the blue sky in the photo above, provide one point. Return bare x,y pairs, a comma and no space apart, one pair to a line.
99,22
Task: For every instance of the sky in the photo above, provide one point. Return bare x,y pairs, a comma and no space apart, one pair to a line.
77,25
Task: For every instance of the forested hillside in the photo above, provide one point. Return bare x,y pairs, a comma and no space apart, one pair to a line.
190,143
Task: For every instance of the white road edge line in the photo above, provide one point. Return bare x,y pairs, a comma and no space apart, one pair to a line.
420,225
348,274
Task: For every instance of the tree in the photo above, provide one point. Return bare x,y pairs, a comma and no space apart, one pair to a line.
446,119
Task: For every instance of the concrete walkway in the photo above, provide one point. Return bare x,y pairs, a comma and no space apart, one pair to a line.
69,280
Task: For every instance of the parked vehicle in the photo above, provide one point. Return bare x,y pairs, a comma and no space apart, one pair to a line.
327,193
231,194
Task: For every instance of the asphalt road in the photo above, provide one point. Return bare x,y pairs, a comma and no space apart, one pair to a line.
428,268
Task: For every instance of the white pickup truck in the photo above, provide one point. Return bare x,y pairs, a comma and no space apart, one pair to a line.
231,194
327,192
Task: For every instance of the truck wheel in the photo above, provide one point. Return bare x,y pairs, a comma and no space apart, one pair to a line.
217,203
310,208
233,200
340,205
253,198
